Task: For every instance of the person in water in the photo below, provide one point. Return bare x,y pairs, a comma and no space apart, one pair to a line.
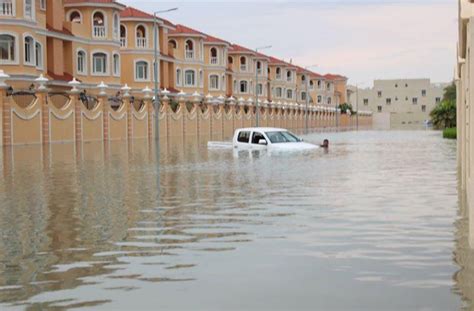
325,144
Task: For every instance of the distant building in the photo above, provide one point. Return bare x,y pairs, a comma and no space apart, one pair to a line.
398,104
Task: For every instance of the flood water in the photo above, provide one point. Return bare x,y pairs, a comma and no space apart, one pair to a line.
373,224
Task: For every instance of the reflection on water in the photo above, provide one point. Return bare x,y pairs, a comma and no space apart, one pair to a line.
372,224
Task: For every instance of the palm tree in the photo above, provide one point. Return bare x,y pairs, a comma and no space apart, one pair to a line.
444,115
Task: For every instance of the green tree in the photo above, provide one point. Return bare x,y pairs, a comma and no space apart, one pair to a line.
444,115
344,107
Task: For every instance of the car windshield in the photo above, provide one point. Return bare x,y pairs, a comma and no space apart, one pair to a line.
282,137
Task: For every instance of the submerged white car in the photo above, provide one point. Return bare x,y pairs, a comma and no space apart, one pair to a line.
267,138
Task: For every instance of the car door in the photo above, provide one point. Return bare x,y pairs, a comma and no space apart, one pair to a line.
243,140
255,141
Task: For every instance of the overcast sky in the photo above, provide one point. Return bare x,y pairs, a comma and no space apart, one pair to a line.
362,39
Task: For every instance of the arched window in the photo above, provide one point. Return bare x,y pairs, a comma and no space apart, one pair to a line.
319,84
7,48
311,84
243,87
123,36
98,20
214,59
303,78
116,26
214,82
172,44
81,62
260,89
141,37
39,55
320,99
141,71
189,78
178,77
278,92
75,17
29,9
99,63
189,47
278,73
289,76
29,51
230,60
243,63
116,60
259,67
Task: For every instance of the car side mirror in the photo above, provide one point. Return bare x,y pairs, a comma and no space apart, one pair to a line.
262,142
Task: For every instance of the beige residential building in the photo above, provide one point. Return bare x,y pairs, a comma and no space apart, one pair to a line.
465,113
398,104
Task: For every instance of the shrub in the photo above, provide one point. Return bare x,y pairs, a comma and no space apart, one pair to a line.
450,133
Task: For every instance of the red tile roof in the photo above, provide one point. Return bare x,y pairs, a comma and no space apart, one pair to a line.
181,29
132,12
91,1
330,76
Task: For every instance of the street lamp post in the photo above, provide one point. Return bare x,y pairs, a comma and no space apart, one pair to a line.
155,73
257,114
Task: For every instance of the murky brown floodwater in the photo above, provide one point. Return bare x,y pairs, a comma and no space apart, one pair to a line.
374,224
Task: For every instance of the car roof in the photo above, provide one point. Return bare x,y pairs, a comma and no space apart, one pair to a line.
263,129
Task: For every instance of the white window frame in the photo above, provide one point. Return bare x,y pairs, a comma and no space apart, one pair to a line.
84,65
72,11
278,92
320,99
260,90
289,79
217,62
105,24
278,76
241,68
223,83
16,43
116,70
33,10
148,71
43,5
194,54
39,61
32,61
240,87
216,87
179,77
13,9
116,30
125,42
186,84
107,63
200,82
287,92
145,38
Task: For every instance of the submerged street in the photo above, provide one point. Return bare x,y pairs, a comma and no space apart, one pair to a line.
375,223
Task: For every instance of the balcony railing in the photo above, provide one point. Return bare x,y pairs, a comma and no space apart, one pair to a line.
99,31
214,60
243,67
278,76
123,42
142,43
6,8
189,54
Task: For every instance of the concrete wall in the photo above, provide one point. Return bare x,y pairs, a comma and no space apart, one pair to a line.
43,120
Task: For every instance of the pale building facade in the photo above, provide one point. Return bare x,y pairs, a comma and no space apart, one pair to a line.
465,99
399,104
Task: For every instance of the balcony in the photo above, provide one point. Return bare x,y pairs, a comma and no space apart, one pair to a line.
123,42
189,54
99,31
142,43
214,60
6,8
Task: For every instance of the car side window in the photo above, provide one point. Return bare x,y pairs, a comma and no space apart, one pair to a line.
243,137
256,137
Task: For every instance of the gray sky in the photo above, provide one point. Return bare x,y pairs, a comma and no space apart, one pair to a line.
362,39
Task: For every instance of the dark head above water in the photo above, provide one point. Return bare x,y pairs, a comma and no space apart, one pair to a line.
325,144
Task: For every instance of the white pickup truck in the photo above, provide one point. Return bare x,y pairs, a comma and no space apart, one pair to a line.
265,138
